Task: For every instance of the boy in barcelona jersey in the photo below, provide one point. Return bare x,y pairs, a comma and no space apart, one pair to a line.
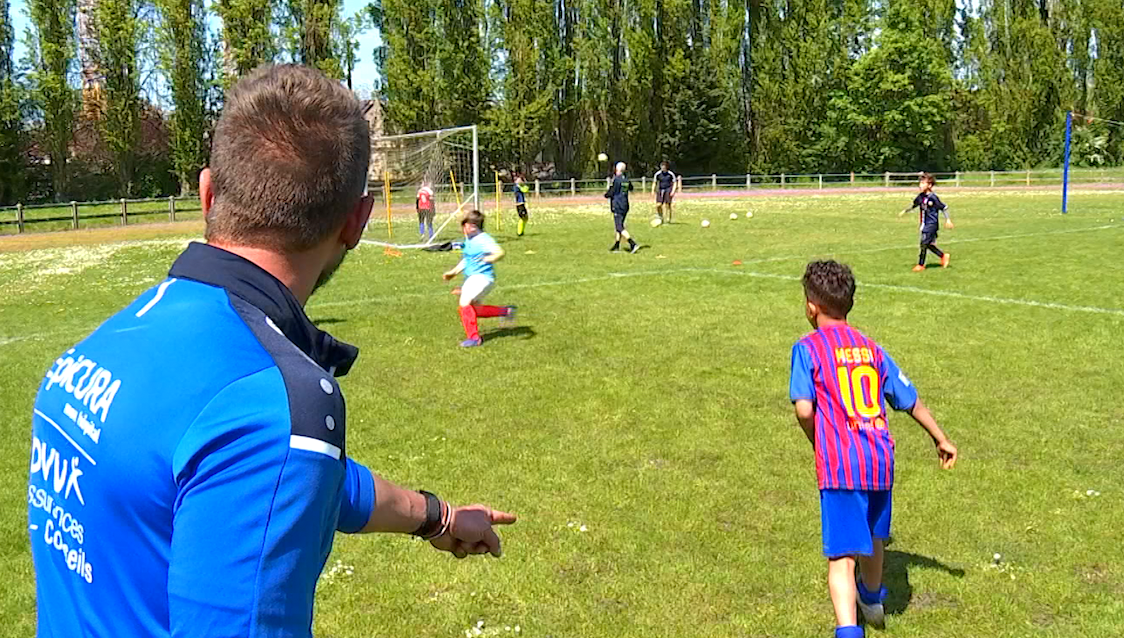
841,383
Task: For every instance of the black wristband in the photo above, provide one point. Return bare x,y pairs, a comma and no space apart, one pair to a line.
432,515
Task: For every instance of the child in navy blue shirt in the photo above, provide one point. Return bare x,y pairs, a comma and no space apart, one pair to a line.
930,206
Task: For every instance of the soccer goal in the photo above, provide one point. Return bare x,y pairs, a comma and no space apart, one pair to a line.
422,184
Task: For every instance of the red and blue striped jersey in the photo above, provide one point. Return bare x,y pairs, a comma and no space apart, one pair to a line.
850,379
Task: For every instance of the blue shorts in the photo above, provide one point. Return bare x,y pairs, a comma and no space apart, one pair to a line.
851,519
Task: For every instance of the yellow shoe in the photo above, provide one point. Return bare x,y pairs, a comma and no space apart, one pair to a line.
918,268
945,259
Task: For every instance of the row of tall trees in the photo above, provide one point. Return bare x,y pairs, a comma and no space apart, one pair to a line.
118,97
714,85
10,129
761,85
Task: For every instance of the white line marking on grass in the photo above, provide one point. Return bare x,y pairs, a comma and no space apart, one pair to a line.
537,284
893,288
648,273
1022,235
63,432
882,249
999,300
926,291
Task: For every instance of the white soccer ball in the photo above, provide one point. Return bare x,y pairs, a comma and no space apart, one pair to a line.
602,158
656,221
749,213
706,223
733,215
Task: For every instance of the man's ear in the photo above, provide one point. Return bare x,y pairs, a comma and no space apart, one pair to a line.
206,191
356,222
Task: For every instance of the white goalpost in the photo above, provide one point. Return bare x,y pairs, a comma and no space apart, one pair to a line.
422,183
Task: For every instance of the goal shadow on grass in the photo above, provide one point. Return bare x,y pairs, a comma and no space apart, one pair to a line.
896,579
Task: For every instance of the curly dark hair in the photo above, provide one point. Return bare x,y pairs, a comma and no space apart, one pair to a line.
831,286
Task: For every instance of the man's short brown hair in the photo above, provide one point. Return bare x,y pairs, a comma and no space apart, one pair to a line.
474,217
831,286
289,159
927,178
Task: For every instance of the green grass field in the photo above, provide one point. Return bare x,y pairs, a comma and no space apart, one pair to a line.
638,419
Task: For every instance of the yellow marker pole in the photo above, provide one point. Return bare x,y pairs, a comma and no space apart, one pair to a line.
386,196
499,218
456,193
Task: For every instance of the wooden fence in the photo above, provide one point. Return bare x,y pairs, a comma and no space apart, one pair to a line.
75,215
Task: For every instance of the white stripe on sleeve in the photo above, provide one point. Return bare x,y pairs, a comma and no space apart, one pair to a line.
310,444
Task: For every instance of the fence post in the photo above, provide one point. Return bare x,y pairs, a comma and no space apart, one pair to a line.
748,181
886,180
573,187
1028,177
782,180
713,182
171,208
643,183
124,212
821,182
74,214
19,217
993,179
852,178
957,179
537,192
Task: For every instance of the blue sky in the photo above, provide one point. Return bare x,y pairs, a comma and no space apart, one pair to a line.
363,78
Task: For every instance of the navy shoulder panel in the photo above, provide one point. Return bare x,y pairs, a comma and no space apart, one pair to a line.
316,405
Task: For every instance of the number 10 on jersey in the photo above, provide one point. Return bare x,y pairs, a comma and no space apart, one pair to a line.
859,388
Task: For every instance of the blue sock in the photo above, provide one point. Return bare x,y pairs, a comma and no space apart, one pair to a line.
430,230
849,631
871,597
421,228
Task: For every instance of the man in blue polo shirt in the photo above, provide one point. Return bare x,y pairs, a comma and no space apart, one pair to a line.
189,467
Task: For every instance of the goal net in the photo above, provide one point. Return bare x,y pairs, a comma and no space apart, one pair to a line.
422,184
